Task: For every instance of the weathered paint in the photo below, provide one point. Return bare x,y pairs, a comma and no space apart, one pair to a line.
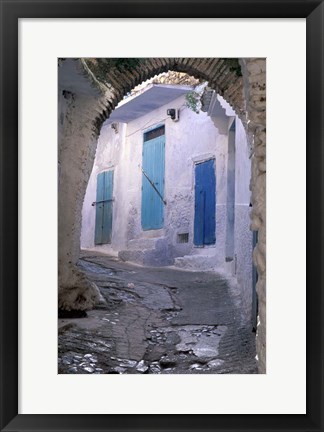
152,208
193,139
230,213
104,205
188,142
205,205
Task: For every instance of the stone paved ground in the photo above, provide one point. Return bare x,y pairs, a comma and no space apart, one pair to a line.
156,320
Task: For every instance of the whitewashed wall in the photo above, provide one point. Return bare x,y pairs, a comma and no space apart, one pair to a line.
242,234
194,138
110,154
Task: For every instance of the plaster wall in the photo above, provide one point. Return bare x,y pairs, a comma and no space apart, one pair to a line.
193,139
75,155
110,155
243,241
241,265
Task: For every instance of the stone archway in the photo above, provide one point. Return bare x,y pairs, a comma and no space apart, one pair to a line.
89,90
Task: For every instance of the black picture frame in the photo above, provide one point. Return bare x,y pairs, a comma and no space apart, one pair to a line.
11,11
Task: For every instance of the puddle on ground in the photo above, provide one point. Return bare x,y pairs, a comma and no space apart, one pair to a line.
95,268
202,341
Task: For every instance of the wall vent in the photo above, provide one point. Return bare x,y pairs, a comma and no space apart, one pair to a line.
154,133
183,238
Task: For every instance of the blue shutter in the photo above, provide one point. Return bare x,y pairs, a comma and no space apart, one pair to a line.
153,165
107,207
103,227
205,203
99,207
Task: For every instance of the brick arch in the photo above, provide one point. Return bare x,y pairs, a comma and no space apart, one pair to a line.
220,74
86,101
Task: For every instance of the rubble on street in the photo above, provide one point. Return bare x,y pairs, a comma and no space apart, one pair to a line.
156,321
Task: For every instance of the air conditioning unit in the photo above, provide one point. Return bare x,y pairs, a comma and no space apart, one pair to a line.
174,114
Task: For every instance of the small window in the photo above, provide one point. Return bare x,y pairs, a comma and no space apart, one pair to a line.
183,238
159,131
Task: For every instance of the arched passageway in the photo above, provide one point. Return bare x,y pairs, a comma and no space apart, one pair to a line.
89,89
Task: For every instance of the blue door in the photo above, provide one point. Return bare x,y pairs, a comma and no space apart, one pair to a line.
104,203
205,203
153,179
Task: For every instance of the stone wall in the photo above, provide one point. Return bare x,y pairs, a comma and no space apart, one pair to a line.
170,77
254,73
92,102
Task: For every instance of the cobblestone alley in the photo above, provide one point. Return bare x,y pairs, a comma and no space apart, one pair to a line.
156,321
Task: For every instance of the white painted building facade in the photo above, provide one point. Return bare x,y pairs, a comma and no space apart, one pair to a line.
215,138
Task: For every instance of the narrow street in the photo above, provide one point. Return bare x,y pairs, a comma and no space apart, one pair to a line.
157,321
